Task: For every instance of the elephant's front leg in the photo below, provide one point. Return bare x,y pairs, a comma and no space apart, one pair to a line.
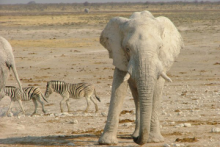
155,135
134,92
119,90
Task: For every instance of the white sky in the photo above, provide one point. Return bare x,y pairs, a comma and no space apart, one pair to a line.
82,1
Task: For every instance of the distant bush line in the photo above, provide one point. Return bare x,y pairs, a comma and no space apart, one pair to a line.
79,7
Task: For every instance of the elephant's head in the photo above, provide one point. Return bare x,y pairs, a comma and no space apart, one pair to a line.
145,47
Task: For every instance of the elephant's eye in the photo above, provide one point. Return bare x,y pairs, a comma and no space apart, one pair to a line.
127,49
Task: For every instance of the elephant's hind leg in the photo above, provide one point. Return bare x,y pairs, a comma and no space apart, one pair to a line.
155,135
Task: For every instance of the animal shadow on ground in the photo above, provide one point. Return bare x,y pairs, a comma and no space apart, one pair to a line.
57,140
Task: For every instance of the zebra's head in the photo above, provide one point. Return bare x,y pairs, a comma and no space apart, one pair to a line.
49,89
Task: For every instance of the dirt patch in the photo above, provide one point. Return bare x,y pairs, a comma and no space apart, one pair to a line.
194,139
199,122
90,131
125,121
127,111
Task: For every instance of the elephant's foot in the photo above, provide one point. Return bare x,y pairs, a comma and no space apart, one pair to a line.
155,138
108,139
135,134
139,141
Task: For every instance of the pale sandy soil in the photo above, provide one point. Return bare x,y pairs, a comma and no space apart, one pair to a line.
73,54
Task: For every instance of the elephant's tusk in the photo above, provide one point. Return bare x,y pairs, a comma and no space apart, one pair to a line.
164,75
127,76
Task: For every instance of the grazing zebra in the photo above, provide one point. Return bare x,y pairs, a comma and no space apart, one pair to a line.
33,93
67,90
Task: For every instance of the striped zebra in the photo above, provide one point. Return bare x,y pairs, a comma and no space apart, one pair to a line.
30,93
68,90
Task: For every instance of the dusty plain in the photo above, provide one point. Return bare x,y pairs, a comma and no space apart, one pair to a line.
63,44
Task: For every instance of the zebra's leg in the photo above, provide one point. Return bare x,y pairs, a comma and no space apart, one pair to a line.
22,108
61,103
88,103
35,106
9,109
41,102
68,105
96,106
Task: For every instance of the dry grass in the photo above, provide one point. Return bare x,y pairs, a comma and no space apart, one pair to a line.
194,139
52,20
55,43
72,15
94,7
98,18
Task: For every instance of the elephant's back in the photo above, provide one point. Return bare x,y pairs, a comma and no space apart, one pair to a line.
6,52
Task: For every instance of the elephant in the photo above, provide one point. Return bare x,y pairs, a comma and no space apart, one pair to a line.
7,63
143,49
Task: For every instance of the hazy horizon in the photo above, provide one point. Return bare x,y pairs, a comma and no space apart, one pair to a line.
90,1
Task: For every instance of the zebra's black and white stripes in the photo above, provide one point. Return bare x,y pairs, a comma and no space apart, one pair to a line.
29,93
68,90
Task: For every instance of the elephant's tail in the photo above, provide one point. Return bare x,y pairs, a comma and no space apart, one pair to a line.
96,96
10,66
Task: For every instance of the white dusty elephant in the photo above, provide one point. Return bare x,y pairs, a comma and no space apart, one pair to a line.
143,49
6,64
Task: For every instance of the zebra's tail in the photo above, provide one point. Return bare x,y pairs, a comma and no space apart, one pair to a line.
96,96
44,98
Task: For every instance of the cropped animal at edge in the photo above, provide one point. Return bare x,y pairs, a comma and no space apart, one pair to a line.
68,90
29,93
7,63
143,49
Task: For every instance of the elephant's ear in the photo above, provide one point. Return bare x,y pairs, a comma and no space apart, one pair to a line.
172,42
111,38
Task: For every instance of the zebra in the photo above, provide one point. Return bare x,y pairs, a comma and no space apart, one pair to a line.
32,92
68,90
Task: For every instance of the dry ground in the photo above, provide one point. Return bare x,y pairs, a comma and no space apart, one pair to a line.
58,46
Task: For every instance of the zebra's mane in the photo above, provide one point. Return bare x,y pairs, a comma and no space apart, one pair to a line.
54,82
56,85
10,87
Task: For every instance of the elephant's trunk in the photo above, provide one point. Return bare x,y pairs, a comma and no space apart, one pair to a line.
146,78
